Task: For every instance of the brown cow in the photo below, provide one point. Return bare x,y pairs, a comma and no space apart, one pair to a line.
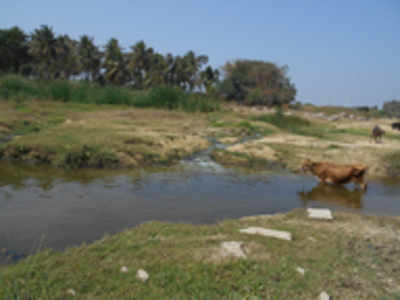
337,174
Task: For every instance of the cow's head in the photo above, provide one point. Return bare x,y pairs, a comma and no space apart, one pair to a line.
307,165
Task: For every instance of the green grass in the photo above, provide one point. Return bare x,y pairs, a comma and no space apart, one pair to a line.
392,161
184,262
300,126
20,89
243,160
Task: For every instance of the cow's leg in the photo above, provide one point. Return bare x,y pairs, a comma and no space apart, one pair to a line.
360,181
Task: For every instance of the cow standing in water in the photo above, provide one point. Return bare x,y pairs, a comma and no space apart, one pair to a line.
337,174
377,133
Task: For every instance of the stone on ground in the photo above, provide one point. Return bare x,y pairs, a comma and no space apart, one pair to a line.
300,270
283,235
142,275
319,213
124,269
323,296
71,292
233,249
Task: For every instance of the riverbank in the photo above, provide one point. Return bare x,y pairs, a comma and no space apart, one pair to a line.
71,135
351,257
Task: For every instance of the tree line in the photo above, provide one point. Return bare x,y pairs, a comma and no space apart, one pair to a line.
46,56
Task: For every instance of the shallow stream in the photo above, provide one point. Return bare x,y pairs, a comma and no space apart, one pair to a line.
43,207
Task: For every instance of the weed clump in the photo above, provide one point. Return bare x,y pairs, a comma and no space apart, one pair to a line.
393,163
14,86
89,157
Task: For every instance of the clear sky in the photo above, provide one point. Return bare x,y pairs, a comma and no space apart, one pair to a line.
338,52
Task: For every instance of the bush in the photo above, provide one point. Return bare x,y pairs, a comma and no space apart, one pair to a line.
60,90
113,95
254,82
168,97
12,85
165,97
195,103
393,161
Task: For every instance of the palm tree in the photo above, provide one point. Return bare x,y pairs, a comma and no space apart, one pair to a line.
14,55
208,78
114,63
141,61
192,65
67,59
42,47
89,57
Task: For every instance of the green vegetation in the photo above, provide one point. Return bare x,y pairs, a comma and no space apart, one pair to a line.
297,125
352,257
243,160
47,56
75,135
255,82
20,89
392,160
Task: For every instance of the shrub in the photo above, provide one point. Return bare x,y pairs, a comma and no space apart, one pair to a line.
113,95
165,97
168,97
60,90
11,85
254,82
393,161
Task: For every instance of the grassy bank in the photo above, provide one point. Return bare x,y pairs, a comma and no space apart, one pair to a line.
352,257
73,134
87,135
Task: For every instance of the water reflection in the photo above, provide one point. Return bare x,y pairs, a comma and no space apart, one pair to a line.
333,194
18,174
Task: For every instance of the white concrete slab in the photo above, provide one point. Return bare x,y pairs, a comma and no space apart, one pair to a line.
323,296
283,235
233,249
319,213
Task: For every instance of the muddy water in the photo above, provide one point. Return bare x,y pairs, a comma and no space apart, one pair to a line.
42,207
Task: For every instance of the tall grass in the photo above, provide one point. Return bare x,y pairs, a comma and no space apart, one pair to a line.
13,87
393,162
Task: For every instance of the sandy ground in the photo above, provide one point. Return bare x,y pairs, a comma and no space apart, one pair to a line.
341,148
